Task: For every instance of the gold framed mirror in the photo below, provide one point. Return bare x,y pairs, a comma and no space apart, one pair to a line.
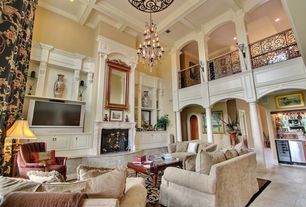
117,96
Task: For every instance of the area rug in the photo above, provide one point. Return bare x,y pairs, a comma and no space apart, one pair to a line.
153,192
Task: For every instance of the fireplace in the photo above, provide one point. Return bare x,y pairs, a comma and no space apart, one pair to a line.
114,140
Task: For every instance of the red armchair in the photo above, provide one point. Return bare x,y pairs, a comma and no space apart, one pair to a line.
25,161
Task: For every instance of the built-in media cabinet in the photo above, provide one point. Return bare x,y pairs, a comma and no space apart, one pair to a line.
62,122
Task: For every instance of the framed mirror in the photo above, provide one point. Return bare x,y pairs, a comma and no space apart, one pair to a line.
118,85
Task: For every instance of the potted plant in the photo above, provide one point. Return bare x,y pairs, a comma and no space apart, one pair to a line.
162,122
233,128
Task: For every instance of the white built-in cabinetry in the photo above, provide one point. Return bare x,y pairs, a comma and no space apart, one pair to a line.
147,114
46,63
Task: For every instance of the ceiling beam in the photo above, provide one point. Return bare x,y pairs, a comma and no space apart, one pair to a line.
233,4
119,16
188,24
180,13
87,11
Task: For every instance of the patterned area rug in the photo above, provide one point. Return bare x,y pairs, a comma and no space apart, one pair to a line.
153,192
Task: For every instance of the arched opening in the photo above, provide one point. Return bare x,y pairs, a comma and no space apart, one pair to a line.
283,118
194,127
189,73
223,54
270,35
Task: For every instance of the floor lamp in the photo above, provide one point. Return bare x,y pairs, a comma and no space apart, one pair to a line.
19,130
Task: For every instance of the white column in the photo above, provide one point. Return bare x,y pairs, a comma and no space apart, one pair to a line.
209,125
76,85
41,79
178,127
202,57
101,84
132,91
242,38
257,136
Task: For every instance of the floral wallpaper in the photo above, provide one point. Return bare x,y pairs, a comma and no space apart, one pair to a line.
16,25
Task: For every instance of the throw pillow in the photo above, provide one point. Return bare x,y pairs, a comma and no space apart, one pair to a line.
227,153
108,185
205,160
85,172
241,148
45,177
46,157
192,147
181,146
75,187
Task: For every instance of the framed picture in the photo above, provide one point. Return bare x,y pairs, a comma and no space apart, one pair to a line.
217,123
116,115
289,101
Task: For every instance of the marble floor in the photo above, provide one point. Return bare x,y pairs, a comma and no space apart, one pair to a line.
288,188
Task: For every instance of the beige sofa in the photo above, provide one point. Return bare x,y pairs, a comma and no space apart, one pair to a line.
180,150
229,184
135,192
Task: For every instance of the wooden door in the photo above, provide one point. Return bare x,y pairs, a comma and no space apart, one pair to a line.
194,130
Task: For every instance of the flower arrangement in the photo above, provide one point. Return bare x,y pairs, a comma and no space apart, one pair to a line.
233,128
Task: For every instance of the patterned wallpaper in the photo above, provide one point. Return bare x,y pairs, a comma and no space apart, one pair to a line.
16,25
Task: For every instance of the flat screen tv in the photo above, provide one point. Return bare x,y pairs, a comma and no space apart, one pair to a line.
55,114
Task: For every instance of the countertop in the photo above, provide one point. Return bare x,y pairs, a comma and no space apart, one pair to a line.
297,140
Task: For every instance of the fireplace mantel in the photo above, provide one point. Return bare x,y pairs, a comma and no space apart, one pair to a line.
117,125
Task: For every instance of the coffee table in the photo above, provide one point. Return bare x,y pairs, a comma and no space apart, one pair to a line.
156,167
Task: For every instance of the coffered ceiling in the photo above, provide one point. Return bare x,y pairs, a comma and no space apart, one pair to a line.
181,17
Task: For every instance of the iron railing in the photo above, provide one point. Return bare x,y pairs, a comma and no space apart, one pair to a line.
276,48
189,76
223,66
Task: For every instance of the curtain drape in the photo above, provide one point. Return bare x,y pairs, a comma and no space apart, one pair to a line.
16,26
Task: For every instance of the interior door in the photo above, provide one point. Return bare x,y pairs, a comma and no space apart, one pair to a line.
194,129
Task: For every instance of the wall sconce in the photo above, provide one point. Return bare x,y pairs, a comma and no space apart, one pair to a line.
242,49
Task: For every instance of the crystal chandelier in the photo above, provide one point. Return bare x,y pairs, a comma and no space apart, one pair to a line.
150,51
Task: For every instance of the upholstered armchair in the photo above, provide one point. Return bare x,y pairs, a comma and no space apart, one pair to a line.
25,161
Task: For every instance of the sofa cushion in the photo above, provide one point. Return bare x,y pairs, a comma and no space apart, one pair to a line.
85,172
181,155
79,186
192,147
108,185
171,148
241,148
45,177
181,146
205,160
47,157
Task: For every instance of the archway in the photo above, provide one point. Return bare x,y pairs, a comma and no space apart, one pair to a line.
194,127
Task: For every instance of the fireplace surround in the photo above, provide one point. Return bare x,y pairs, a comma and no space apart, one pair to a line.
114,140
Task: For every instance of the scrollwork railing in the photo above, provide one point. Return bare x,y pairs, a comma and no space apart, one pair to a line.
224,66
189,76
277,48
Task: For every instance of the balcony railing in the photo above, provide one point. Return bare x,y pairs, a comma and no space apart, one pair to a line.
277,48
224,66
189,76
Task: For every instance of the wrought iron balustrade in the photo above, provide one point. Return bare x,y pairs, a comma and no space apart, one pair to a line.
277,48
189,76
224,66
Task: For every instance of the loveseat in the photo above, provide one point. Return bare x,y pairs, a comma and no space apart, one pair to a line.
230,183
186,151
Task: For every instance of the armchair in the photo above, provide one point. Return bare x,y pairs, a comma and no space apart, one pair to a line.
25,161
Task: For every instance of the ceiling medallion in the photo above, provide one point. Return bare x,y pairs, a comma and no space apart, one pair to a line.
151,6
150,51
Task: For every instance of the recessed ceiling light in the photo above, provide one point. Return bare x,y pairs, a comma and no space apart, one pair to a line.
71,0
235,38
277,19
168,31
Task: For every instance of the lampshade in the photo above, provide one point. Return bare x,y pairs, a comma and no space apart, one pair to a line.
20,130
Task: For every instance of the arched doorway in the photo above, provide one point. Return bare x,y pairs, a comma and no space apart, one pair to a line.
194,130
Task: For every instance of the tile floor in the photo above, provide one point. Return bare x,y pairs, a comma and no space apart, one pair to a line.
288,188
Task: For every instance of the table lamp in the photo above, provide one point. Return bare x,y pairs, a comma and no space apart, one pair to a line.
19,130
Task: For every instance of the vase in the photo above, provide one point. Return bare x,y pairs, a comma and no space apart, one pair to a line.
233,137
145,99
59,86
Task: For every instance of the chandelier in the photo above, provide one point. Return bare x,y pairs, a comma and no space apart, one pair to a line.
150,51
